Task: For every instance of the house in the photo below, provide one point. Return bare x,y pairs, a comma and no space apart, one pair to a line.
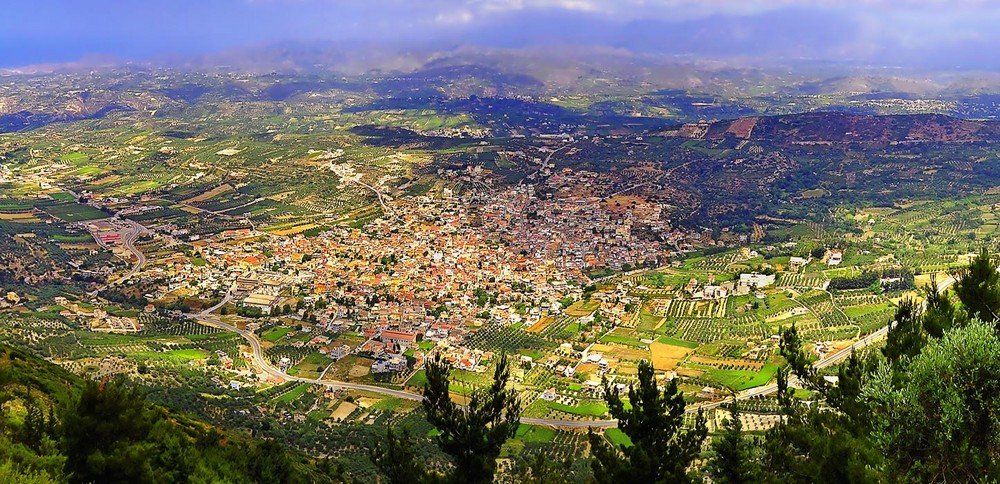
836,257
392,364
401,338
757,280
548,395
796,264
338,352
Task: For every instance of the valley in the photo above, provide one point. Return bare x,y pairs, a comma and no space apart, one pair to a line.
284,258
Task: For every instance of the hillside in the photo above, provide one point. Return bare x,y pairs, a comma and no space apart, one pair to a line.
842,128
56,427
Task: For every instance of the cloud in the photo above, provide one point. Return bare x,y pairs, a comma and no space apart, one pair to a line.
840,29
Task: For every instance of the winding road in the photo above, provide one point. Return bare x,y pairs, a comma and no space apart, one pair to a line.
208,319
129,242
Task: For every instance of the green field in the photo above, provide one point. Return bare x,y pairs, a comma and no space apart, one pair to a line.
276,334
63,197
189,354
622,340
74,212
294,393
591,409
678,342
80,238
617,437
535,434
740,379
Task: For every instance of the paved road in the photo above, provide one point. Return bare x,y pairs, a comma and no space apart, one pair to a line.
129,242
207,318
381,202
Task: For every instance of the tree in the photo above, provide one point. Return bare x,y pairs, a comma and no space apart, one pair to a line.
268,462
472,435
395,456
978,287
940,314
936,417
104,434
906,333
661,449
812,444
731,460
544,470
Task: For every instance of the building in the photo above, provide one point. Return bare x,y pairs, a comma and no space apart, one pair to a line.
264,302
392,364
401,338
756,280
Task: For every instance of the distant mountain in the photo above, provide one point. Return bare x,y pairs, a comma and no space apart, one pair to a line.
841,128
594,66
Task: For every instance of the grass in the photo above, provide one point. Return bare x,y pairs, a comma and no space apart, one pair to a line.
592,409
618,438
174,356
678,342
294,393
741,379
276,334
534,355
314,362
63,197
419,379
610,338
535,434
73,157
74,212
78,238
387,404
188,354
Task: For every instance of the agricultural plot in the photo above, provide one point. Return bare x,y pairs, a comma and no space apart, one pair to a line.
813,280
665,356
496,337
675,308
72,212
834,324
701,330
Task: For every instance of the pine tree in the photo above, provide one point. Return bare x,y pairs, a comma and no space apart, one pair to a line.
906,333
731,461
978,287
104,434
661,448
395,456
473,435
940,314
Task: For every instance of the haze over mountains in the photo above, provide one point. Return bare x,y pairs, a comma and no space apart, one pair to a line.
906,34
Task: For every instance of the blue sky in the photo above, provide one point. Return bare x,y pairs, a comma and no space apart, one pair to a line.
906,31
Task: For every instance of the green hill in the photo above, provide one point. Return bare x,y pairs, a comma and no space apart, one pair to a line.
57,427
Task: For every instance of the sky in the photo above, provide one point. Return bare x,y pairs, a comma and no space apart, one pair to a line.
942,33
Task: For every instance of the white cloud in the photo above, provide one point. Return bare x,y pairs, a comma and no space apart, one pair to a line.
460,16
